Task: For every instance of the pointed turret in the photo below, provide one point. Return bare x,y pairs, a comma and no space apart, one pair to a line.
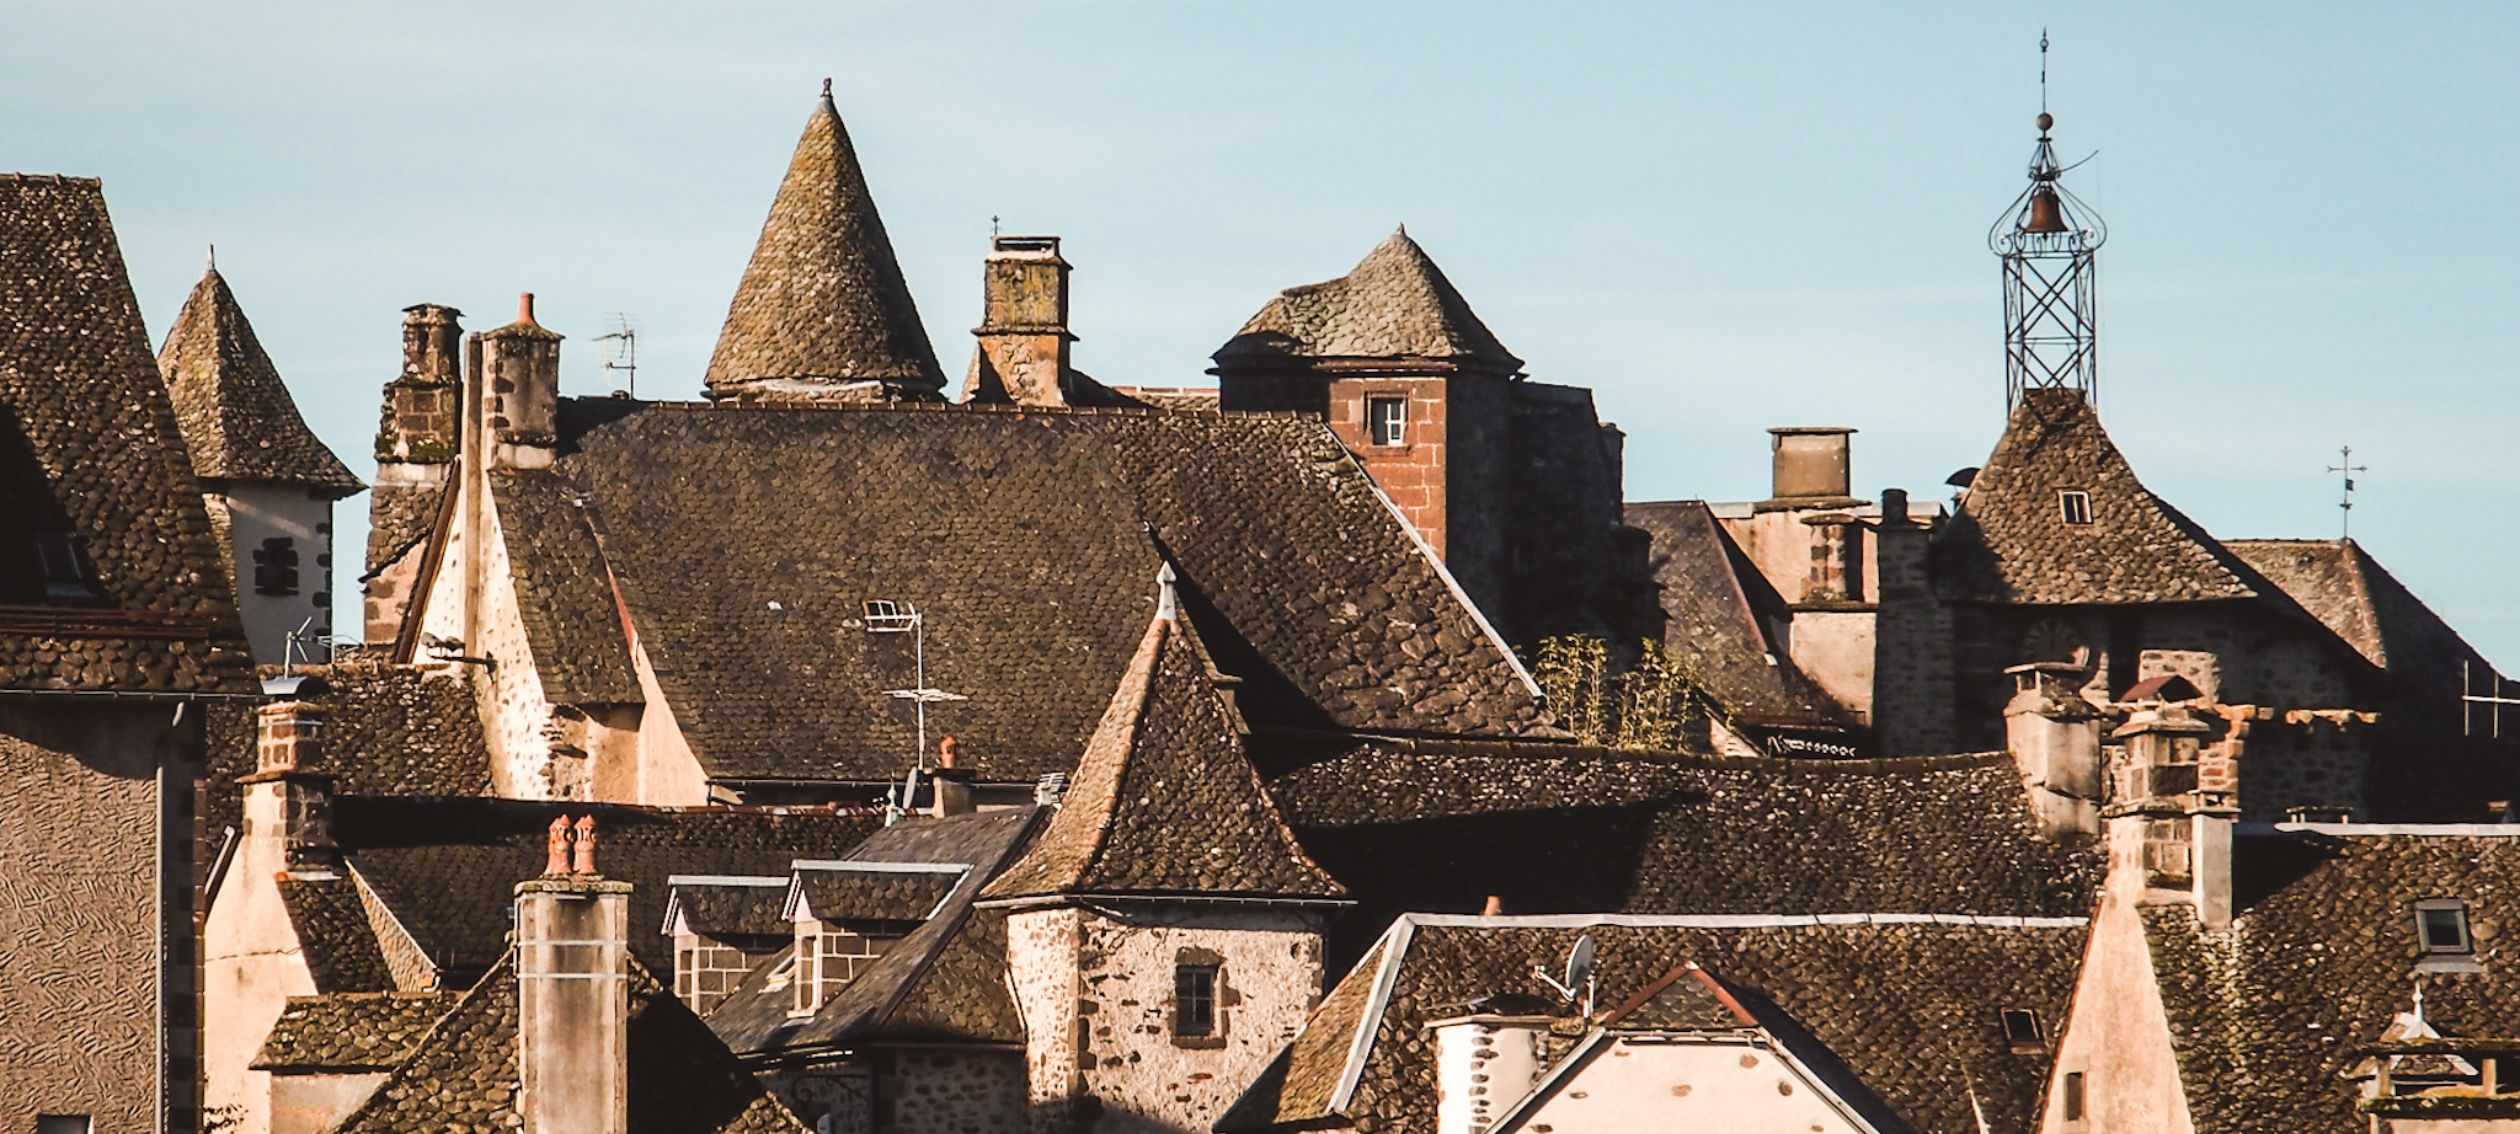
237,417
822,311
1395,304
1164,802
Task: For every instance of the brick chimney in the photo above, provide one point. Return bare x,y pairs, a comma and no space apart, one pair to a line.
1484,1064
288,797
1023,356
2184,788
573,992
1811,463
2054,737
520,391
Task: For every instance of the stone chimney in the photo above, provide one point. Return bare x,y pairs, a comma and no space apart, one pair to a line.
1913,669
573,992
2184,788
423,404
1837,573
1811,463
1023,356
2054,737
520,391
1484,1064
949,786
288,798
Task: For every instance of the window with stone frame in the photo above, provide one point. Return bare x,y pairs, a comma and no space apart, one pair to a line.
1194,1001
2441,928
276,567
806,998
1387,420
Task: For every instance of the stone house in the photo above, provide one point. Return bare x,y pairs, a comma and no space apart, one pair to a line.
117,629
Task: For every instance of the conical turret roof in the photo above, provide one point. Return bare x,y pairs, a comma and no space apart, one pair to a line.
1164,801
822,306
1394,304
236,415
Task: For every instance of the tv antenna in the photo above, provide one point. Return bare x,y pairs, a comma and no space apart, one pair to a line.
299,646
2345,468
1579,974
621,353
884,616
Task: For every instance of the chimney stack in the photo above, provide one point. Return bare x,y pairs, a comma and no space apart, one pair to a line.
2054,737
423,410
520,391
2184,788
949,786
1484,1064
289,797
1811,463
573,991
1023,356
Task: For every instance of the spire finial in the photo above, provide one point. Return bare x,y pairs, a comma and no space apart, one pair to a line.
2042,81
2042,72
1404,228
213,265
1167,602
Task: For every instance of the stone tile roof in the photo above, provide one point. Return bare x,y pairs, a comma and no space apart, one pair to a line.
1910,1006
399,519
90,449
2009,543
2348,590
943,982
334,935
354,1031
236,414
1030,541
388,730
840,891
463,1076
1394,304
447,869
2320,959
822,305
752,908
573,623
1716,605
1550,829
1165,801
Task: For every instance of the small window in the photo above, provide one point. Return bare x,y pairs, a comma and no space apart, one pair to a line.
1387,420
2441,926
2073,1096
1194,1000
2021,1030
276,567
2075,504
65,570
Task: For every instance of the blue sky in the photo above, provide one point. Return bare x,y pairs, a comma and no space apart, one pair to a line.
1720,218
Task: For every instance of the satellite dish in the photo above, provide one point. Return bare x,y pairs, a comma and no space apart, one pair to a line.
1579,961
1962,479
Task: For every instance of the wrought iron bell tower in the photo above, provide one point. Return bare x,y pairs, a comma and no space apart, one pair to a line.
2046,241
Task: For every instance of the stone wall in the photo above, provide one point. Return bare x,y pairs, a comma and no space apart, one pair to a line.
707,969
476,604
908,1091
2117,1049
1912,695
97,953
252,963
1410,473
260,512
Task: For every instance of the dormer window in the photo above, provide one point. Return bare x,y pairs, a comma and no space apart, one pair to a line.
2075,505
65,570
276,567
2021,1031
2441,928
1387,420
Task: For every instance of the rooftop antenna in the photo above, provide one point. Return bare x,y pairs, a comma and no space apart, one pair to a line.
1579,973
884,616
2345,468
2046,240
297,649
993,226
621,353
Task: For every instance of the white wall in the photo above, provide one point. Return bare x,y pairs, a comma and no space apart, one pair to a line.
257,512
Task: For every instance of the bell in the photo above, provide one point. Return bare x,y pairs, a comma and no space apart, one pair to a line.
2047,214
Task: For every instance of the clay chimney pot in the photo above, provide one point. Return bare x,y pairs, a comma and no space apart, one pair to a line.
585,863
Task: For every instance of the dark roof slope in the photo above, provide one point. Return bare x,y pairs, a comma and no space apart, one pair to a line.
721,907
1910,1006
356,1031
2009,542
1439,826
1716,603
448,868
1164,801
843,891
334,935
573,623
1394,304
89,448
822,304
1029,540
388,730
463,1076
236,414
2320,959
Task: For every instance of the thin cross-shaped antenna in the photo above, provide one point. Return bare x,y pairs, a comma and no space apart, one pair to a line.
993,226
2345,468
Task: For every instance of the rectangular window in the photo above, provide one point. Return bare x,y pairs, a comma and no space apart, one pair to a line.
2441,926
1387,420
65,570
276,567
2021,1030
807,999
2075,504
1194,1000
2073,1096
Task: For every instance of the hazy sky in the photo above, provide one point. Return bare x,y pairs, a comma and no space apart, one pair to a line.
1721,218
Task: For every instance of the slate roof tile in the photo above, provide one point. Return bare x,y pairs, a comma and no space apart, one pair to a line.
90,448
353,1031
236,415
835,893
2009,541
388,730
573,624
1394,304
822,304
1715,603
1164,800
723,909
335,936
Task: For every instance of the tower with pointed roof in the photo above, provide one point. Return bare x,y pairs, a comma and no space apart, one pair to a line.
269,482
1514,484
1164,932
822,312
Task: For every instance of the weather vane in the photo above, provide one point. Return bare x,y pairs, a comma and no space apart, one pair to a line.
2345,468
2042,70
